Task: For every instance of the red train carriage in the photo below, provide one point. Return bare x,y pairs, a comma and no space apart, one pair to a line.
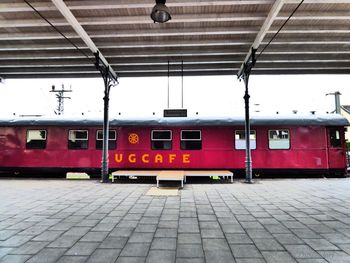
279,143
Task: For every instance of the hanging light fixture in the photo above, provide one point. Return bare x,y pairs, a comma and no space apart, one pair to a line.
160,13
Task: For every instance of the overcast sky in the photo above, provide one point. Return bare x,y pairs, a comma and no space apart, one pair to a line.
209,96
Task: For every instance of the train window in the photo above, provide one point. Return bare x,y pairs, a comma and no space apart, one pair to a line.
279,139
240,140
112,139
161,140
191,140
78,139
36,139
335,140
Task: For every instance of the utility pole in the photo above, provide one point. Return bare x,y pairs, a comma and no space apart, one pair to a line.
337,101
60,98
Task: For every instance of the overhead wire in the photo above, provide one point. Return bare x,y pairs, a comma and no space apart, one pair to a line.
59,31
275,35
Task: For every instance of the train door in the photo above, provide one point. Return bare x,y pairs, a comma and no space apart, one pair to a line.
336,150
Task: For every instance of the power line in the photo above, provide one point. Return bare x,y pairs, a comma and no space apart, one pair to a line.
57,30
274,36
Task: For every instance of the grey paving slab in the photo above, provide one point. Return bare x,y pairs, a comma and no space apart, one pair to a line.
163,244
47,255
130,260
161,256
15,258
269,221
102,255
82,249
135,250
189,251
278,257
29,248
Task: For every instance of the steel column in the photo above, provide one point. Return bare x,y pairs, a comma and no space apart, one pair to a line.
109,81
247,67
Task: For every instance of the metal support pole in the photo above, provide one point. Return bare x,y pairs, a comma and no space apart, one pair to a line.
247,67
109,81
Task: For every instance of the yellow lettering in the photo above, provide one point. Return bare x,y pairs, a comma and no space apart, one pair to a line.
132,158
172,157
158,158
145,158
186,158
118,157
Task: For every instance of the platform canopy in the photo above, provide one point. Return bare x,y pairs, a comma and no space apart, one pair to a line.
210,37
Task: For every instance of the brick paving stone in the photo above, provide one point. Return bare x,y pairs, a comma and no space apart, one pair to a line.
47,255
64,242
305,233
130,260
121,232
189,238
5,250
345,247
168,224
312,260
77,231
219,256
232,228
48,235
5,234
72,259
215,244
103,227
135,250
146,228
94,236
189,251
104,256
161,256
163,244
15,241
302,251
250,260
114,242
258,233
15,258
286,239
212,233
278,257
267,244
166,232
335,256
82,249
245,251
140,237
192,260
337,238
29,248
320,244
238,239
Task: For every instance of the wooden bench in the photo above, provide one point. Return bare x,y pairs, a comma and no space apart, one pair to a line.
171,175
128,173
222,173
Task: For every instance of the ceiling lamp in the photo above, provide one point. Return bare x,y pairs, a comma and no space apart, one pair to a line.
160,13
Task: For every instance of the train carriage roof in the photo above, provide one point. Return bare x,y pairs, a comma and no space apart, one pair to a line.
315,120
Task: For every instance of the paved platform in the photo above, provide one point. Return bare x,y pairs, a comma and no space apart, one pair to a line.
301,220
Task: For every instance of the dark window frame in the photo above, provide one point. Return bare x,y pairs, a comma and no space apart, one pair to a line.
235,140
191,144
334,142
163,143
74,145
34,146
281,129
112,143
